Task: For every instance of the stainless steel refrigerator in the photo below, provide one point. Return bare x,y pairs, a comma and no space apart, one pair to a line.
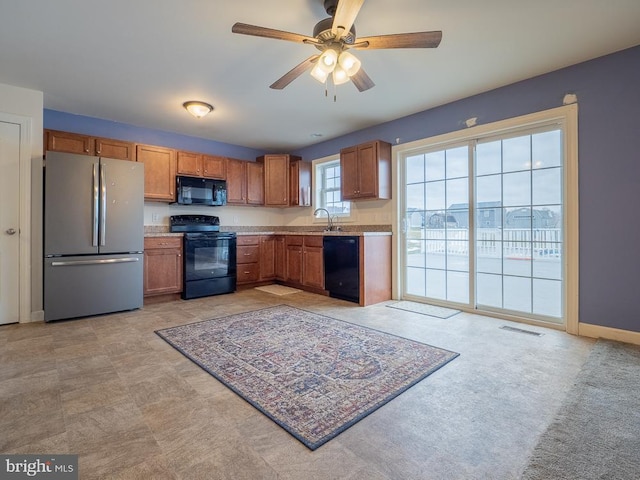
93,235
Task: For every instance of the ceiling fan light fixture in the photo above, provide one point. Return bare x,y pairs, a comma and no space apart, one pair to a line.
319,73
349,63
340,75
328,59
197,109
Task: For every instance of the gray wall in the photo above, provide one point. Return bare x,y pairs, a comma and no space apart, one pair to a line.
608,91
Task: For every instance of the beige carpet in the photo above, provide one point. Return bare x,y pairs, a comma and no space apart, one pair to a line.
596,432
278,289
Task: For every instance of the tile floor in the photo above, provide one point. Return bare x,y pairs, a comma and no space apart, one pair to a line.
110,390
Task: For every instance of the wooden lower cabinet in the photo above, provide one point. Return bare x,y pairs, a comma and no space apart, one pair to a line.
312,262
298,261
267,257
304,261
162,265
293,268
375,269
280,254
248,259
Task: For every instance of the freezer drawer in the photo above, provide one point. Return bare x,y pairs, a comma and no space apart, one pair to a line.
91,285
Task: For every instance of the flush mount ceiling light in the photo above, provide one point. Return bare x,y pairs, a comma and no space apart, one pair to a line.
197,109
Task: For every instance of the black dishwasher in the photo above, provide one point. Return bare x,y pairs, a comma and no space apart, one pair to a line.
341,267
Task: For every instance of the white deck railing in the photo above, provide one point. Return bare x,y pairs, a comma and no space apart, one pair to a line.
490,242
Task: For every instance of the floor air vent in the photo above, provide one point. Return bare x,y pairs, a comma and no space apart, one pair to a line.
520,330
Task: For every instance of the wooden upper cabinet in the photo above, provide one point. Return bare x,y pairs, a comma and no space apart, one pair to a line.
236,181
276,180
285,178
300,183
214,167
199,165
255,183
109,148
159,172
245,184
365,171
86,145
189,164
70,143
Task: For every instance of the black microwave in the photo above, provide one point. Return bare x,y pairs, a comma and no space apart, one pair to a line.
200,191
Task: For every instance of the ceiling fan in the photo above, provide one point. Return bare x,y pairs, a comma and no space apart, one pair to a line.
334,37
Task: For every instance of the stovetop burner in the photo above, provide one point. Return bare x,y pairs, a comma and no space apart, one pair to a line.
194,223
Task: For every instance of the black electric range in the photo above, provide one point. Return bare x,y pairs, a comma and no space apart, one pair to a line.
209,260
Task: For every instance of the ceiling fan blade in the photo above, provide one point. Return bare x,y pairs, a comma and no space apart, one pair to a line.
294,73
362,81
400,40
256,31
346,13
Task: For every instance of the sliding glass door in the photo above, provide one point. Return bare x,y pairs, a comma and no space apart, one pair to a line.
483,223
519,234
437,224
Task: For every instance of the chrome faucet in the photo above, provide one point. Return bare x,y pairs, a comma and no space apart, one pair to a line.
329,222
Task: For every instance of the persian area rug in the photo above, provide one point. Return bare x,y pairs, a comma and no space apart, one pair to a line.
278,289
424,309
313,375
596,432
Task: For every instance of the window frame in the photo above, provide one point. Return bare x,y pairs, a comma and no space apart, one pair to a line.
319,167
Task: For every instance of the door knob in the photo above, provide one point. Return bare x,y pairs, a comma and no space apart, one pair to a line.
10,231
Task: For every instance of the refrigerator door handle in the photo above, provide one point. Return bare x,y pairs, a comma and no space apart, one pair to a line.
103,206
96,186
74,263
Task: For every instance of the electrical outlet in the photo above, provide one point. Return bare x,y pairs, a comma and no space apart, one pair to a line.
155,217
235,220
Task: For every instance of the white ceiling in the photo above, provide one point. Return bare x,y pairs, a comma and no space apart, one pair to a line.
137,61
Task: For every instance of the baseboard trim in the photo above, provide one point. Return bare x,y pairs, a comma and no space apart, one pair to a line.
597,331
35,316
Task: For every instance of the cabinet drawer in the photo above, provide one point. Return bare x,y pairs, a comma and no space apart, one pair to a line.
248,254
294,240
313,241
247,273
248,240
162,242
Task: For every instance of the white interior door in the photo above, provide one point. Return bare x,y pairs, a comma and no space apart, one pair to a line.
9,222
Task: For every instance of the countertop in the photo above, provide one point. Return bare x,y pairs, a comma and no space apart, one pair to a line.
352,231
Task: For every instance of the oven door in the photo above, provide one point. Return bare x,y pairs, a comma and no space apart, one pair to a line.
209,255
